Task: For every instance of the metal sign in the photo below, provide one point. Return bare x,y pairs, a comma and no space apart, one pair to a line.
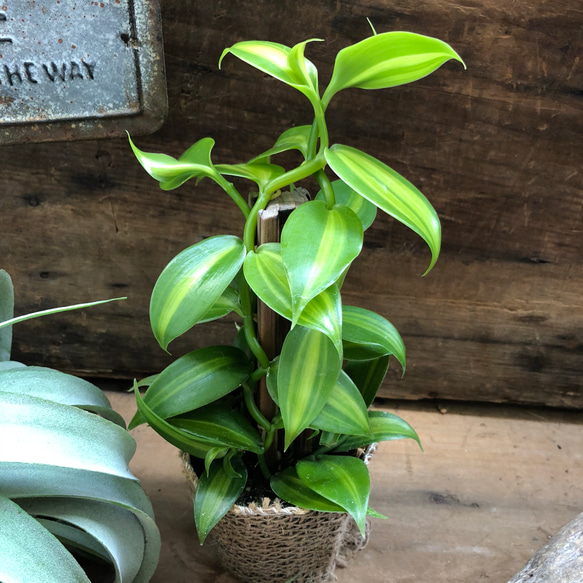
80,69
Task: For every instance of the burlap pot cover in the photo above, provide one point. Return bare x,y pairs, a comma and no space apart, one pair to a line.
273,543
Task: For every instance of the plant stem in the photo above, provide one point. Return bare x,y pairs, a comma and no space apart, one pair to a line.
253,409
251,222
234,194
326,187
249,325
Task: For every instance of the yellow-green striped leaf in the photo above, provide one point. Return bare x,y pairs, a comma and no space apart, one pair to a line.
317,244
384,426
344,195
297,138
265,273
220,424
289,487
345,411
191,284
389,191
279,61
175,436
216,492
227,303
309,365
343,480
368,375
387,60
261,174
196,379
171,172
367,335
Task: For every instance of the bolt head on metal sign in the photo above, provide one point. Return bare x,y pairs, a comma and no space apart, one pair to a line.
80,69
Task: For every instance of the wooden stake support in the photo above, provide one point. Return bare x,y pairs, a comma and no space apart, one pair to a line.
271,327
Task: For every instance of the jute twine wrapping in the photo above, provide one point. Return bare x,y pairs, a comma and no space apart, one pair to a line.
275,543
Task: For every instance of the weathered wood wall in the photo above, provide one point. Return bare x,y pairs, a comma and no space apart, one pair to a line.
498,149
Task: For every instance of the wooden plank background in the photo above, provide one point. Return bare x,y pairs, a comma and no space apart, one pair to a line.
498,149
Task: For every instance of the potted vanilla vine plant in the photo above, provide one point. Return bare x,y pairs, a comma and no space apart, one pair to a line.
289,423
70,509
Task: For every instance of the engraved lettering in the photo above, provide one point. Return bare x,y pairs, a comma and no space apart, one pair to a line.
75,71
35,73
89,67
2,38
29,72
54,72
12,74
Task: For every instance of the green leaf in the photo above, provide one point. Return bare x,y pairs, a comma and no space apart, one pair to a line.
10,364
196,379
389,191
6,313
215,494
176,437
297,138
30,552
260,173
368,335
375,514
191,284
343,480
317,244
26,483
384,427
60,435
227,303
265,273
18,319
308,368
279,61
222,425
346,196
328,439
368,375
387,60
53,385
171,172
74,538
271,379
345,411
114,528
289,487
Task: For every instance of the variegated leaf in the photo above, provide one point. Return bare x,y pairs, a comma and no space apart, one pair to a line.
265,273
308,368
389,191
387,60
368,335
216,492
191,284
345,411
317,244
343,480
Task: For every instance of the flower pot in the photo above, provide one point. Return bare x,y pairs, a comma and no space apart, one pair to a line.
274,543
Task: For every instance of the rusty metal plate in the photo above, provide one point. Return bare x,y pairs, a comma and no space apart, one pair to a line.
80,69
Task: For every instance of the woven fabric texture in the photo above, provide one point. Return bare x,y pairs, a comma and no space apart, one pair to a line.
273,543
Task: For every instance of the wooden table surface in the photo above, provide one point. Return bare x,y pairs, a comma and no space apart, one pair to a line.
492,485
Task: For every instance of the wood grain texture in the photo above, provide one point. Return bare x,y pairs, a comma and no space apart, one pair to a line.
492,485
498,150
